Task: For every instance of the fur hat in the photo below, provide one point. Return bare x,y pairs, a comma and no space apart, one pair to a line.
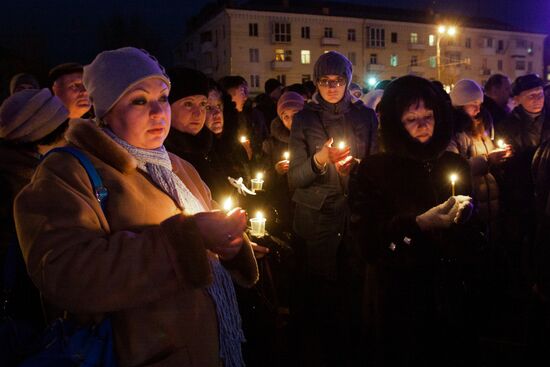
466,91
333,63
30,115
113,72
187,82
23,78
289,100
526,82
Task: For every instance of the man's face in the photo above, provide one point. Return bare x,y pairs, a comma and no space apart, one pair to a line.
69,89
531,100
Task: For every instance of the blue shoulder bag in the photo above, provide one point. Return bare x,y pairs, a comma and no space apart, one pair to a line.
65,344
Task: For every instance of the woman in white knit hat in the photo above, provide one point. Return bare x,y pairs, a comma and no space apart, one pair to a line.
156,259
473,142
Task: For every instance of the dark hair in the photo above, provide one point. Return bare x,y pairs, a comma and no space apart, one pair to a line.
310,87
231,81
63,69
49,139
399,95
298,88
494,82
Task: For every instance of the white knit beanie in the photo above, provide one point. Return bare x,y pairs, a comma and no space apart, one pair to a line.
113,72
466,91
31,114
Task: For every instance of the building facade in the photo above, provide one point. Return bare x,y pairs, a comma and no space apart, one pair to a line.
261,44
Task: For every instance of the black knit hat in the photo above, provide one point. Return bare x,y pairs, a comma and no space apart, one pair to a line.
63,69
333,63
526,82
187,82
270,85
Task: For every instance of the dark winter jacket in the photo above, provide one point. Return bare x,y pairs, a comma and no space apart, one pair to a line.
524,134
414,291
321,213
277,185
498,113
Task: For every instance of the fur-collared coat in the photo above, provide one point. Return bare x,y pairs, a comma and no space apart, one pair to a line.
141,261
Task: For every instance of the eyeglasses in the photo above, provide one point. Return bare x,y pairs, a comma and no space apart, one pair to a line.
331,83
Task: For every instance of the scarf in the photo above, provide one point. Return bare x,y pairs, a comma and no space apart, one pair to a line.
156,162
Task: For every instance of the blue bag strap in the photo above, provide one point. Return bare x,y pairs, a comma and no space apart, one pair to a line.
100,191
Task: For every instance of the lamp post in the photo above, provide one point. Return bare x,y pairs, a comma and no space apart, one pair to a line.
441,32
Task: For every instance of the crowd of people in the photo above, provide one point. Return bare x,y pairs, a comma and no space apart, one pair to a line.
414,215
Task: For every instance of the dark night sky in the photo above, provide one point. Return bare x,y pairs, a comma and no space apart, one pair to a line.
54,31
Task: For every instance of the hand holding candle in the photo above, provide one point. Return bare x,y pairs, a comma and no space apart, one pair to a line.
227,204
258,182
339,153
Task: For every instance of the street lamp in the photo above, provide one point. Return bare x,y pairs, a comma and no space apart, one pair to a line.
442,31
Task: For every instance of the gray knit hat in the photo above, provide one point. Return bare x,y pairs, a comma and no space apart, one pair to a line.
113,72
30,115
333,63
466,91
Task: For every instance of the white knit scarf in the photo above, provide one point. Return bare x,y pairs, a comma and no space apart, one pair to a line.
156,162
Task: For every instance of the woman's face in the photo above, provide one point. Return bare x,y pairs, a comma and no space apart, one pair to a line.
142,115
214,112
287,116
332,87
472,108
189,114
419,122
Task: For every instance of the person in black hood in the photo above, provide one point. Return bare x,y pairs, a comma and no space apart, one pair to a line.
319,174
414,232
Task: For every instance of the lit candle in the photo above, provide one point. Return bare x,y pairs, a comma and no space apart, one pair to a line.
342,145
227,204
243,139
286,156
501,144
257,225
257,183
453,179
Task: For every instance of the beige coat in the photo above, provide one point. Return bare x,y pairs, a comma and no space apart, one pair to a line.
143,262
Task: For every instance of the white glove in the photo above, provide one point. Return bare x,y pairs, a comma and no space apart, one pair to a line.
457,209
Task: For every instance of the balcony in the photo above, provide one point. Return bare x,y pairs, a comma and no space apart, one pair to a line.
207,46
416,69
487,51
485,71
330,41
415,46
518,51
281,65
376,67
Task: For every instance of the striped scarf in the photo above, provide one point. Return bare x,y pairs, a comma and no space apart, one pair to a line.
156,162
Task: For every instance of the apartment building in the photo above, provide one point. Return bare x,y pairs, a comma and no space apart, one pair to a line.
278,40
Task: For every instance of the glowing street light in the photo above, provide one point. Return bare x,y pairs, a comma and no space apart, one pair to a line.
371,81
443,31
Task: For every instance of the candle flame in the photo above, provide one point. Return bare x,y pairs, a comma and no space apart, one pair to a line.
453,178
259,176
501,144
228,204
259,215
341,145
286,155
243,139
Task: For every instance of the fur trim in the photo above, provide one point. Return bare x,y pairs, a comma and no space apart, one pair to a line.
87,135
189,257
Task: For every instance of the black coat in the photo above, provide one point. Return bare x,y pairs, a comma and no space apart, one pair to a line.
321,214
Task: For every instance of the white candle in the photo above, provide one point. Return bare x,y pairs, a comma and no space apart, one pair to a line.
257,225
257,183
453,177
286,156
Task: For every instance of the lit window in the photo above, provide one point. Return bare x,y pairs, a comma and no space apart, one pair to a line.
393,60
305,57
431,40
433,62
414,37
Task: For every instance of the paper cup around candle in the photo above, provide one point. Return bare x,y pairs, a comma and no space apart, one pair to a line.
257,225
257,184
